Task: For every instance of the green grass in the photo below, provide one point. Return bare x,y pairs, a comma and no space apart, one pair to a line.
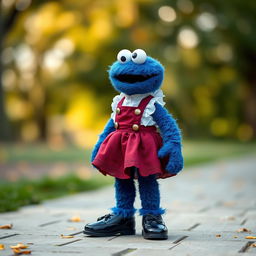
41,153
195,152
24,192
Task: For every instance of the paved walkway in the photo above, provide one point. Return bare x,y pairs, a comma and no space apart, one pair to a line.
206,206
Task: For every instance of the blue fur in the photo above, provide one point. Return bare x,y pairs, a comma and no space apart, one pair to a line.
171,139
149,195
149,67
126,213
159,211
148,186
125,196
110,127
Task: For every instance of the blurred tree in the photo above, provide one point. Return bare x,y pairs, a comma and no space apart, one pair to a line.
55,56
10,10
6,23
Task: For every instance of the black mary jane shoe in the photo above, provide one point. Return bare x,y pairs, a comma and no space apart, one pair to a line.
154,227
111,225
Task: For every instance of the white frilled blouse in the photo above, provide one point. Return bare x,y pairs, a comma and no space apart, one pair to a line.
134,101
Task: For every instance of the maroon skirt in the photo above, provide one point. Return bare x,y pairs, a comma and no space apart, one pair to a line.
125,148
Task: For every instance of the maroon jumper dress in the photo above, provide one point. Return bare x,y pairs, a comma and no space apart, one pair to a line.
131,145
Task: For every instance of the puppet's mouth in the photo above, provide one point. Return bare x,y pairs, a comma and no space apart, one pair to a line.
127,78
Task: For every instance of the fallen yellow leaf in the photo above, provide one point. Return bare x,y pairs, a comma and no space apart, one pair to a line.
63,236
16,250
244,230
19,246
250,237
75,219
19,251
2,247
25,252
7,226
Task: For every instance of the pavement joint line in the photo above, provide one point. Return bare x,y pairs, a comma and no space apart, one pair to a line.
174,246
70,242
246,247
204,209
243,221
49,223
77,233
124,252
193,227
180,239
3,237
114,237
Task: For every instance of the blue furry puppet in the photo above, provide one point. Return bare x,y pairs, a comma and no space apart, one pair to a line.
130,146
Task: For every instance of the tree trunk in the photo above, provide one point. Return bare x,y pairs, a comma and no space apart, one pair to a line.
5,133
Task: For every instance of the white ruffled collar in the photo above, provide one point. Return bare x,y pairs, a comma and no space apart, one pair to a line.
135,99
157,94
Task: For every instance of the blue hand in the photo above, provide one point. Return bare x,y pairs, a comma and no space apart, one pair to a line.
173,151
171,139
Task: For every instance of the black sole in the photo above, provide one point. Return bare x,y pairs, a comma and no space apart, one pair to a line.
101,234
153,236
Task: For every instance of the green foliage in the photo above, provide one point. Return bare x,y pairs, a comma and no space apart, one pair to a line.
197,152
41,153
24,192
207,47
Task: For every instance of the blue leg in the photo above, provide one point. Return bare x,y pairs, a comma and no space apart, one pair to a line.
150,196
125,196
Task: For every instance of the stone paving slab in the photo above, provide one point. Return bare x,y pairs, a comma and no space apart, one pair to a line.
206,205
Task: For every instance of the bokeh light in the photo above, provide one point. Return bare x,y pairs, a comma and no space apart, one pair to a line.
188,38
56,54
167,13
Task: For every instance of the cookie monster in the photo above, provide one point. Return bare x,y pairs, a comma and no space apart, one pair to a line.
141,141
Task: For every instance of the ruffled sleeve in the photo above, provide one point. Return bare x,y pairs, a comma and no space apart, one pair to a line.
150,108
115,101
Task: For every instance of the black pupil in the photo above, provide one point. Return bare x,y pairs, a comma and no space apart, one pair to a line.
123,59
134,55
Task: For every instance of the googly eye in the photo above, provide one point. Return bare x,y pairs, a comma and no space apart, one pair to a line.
139,56
124,56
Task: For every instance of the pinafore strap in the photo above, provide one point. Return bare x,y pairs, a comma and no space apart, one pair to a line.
143,103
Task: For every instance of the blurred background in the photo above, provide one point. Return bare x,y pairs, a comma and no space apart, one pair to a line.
55,94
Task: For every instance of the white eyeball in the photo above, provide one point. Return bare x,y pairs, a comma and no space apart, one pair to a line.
139,56
124,56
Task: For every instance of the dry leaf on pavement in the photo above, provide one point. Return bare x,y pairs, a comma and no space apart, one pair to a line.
75,219
63,236
7,226
244,230
19,246
2,247
250,237
18,251
218,235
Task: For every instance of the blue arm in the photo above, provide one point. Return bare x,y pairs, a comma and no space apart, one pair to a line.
171,139
110,127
